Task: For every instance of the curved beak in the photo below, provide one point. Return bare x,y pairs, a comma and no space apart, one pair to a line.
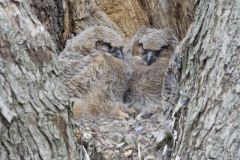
120,53
150,58
117,52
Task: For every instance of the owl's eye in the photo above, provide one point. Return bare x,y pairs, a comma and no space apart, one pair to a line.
117,52
145,52
141,50
157,53
162,51
103,46
163,48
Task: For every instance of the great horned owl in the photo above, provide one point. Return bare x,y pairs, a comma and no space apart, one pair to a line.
96,38
80,50
93,70
101,85
151,50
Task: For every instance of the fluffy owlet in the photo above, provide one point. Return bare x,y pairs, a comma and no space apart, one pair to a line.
81,49
151,50
93,70
96,38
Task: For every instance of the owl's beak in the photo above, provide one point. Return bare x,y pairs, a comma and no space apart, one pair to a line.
117,52
120,54
150,58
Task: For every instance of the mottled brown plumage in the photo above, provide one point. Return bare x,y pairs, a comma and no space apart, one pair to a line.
96,80
85,42
100,87
146,83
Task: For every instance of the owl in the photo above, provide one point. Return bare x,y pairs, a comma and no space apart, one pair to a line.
100,86
80,50
93,69
151,50
96,38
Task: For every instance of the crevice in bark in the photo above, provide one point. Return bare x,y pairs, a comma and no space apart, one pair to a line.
50,13
208,47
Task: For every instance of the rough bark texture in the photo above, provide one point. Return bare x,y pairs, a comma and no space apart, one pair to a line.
174,14
34,117
65,17
50,13
129,15
125,16
208,125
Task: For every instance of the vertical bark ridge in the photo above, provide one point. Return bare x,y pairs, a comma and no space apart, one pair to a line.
210,77
34,110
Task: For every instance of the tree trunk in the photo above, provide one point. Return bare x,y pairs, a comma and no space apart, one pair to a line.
35,115
174,14
50,13
129,15
208,123
35,121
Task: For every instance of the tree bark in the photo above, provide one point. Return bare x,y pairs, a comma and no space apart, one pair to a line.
129,15
51,13
208,122
35,115
35,121
174,14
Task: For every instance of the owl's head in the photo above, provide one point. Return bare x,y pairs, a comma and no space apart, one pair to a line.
153,44
97,38
115,51
149,56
